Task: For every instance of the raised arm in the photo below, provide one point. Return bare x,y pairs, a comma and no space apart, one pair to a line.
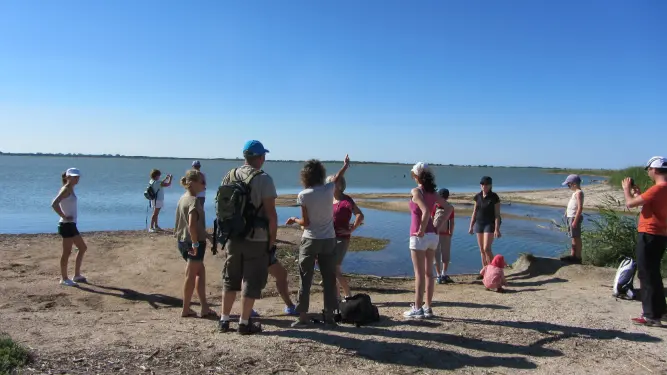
341,172
62,194
167,181
630,200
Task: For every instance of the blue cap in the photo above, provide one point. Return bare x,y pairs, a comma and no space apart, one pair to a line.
572,179
254,148
196,163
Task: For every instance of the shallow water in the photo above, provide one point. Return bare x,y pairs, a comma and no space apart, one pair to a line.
111,198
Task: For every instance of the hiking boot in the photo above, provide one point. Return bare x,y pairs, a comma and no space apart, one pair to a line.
414,313
223,326
644,321
428,312
250,328
439,280
447,280
254,314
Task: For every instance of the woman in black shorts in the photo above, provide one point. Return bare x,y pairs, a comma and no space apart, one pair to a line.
65,205
485,219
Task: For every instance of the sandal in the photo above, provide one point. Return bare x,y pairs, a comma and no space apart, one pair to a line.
190,314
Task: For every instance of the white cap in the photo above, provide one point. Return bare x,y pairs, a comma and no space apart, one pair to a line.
419,168
656,162
72,172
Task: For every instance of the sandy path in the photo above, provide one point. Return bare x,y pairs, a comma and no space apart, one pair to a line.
554,320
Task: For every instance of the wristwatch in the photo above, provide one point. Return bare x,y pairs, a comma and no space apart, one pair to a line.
195,245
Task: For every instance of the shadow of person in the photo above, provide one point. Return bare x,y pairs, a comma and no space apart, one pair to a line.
513,283
565,331
404,353
156,301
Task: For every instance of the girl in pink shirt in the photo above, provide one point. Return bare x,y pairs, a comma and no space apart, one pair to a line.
493,274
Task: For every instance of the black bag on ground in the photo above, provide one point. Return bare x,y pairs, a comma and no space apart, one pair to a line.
357,310
625,276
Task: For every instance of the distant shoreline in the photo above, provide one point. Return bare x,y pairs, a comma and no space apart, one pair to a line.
550,170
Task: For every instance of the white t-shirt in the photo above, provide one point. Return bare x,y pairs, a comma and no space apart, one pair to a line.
203,193
318,201
157,187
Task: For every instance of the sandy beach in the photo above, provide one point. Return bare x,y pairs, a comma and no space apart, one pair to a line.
554,319
595,195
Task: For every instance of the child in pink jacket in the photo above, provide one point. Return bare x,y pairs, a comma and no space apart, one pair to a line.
493,274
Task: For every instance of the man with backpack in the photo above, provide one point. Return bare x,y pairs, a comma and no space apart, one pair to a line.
651,240
247,223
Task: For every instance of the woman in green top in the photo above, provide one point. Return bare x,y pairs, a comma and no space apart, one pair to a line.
190,230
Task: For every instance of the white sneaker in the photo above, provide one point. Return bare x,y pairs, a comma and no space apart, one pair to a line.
151,230
414,313
428,312
68,282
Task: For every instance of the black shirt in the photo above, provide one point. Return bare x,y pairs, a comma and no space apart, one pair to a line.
486,207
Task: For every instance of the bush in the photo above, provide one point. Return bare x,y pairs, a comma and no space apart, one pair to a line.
637,173
610,236
12,355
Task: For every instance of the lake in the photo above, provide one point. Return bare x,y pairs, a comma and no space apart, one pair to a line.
111,198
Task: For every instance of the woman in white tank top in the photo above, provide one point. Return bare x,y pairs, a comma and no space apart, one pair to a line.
65,205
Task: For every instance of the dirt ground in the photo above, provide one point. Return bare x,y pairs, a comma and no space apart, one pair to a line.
555,319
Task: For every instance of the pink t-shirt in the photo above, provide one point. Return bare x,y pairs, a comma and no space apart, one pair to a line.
494,277
416,213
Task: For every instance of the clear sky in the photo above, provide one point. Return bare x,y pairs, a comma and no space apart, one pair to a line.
517,82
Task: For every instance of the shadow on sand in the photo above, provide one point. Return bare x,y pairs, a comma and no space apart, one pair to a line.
156,301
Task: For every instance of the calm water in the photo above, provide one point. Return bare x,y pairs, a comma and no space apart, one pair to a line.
111,198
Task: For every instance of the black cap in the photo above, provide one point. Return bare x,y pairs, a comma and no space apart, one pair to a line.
444,193
486,180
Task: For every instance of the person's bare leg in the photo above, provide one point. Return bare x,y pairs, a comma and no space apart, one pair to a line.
189,287
280,274
200,285
81,245
246,307
576,247
154,218
488,252
430,280
342,281
228,298
64,257
418,264
480,243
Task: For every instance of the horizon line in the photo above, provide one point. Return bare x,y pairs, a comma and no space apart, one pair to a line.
120,156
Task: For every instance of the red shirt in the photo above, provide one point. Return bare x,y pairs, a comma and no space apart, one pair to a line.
342,213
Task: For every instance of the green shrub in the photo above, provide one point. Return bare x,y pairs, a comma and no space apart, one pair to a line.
637,173
12,355
611,235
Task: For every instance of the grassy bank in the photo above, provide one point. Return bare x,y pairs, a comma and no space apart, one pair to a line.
583,172
637,173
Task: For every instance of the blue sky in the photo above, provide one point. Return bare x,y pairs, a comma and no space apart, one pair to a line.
548,83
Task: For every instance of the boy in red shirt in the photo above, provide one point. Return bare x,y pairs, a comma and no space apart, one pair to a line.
651,240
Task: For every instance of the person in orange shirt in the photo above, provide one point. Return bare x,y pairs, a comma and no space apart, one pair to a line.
651,240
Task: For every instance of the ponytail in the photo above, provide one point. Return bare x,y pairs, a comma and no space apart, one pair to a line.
427,180
64,178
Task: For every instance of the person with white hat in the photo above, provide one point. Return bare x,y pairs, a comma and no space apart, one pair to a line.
651,240
201,196
574,216
424,238
65,205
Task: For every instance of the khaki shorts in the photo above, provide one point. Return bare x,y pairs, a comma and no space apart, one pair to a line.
246,268
342,244
573,232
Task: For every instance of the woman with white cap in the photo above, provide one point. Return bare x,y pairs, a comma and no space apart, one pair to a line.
423,238
65,205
